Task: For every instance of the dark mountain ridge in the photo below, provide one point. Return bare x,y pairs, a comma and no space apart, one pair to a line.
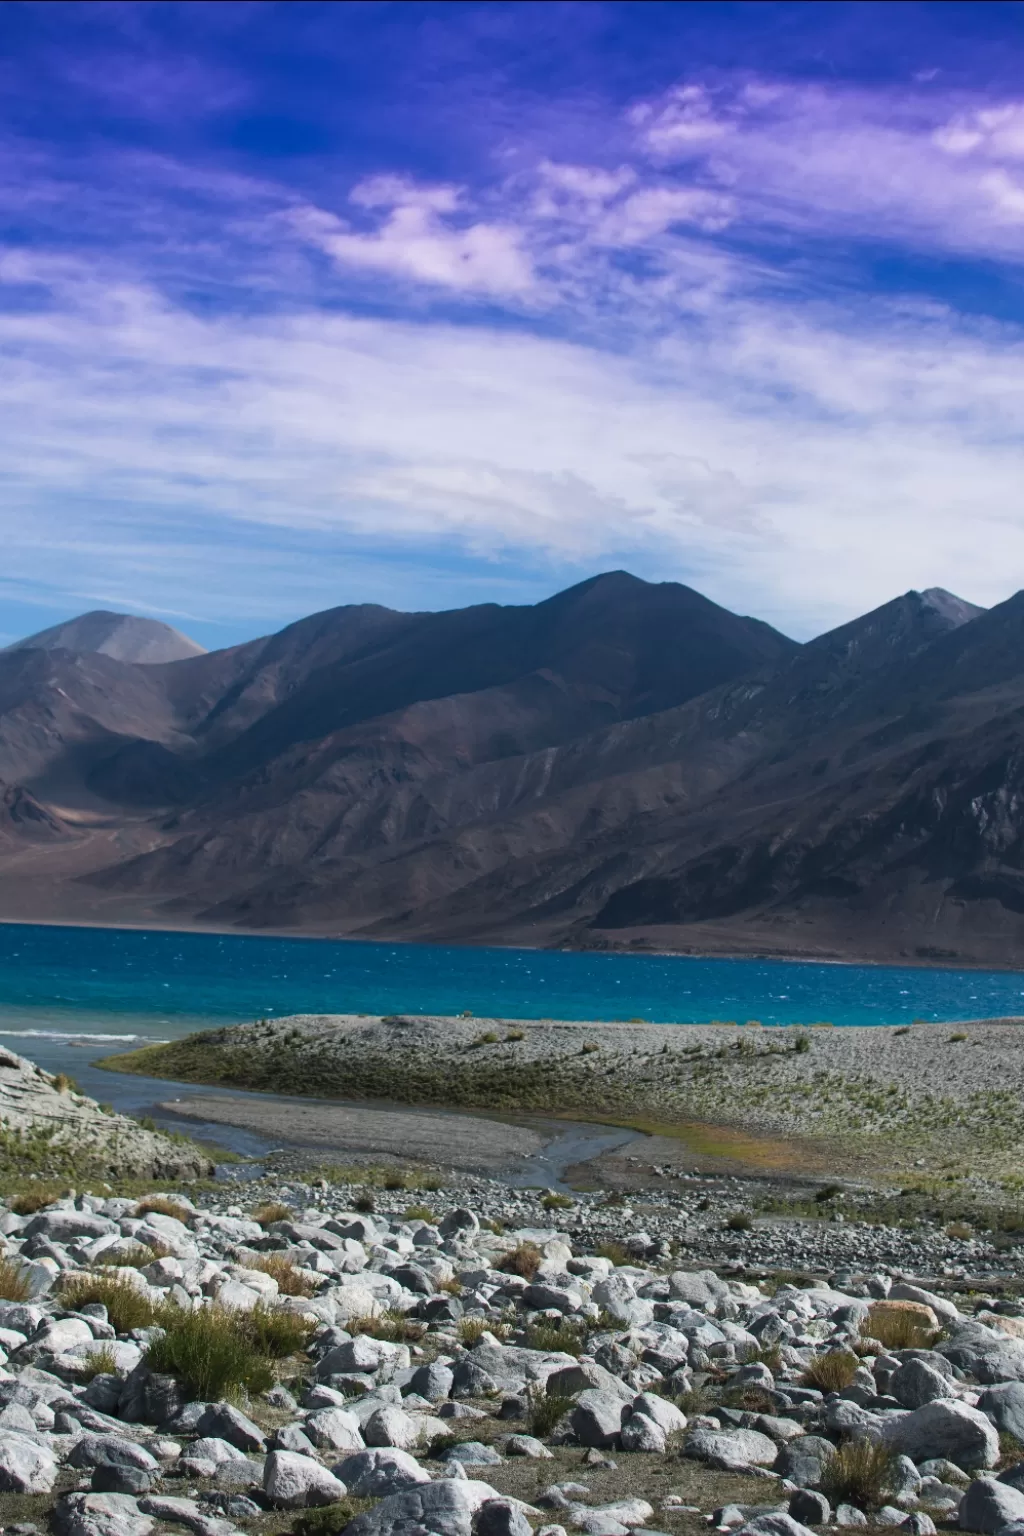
621,764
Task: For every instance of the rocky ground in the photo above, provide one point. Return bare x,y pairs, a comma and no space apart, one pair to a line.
854,1100
475,1361
45,1121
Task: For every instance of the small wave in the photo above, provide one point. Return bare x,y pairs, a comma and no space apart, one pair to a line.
72,1034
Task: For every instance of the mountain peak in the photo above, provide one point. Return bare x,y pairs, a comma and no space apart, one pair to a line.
122,636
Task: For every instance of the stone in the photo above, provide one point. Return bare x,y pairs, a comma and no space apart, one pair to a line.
639,1433
292,1437
802,1461
920,1523
848,1514
391,1426
114,1479
1003,1404
185,1512
473,1453
944,1310
334,1429
810,1508
774,1525
499,1517
596,1418
983,1353
100,1514
25,1466
988,1505
731,1450
433,1382
945,1428
379,1473
529,1446
665,1414
226,1422
444,1508
916,1383
570,1380
296,1482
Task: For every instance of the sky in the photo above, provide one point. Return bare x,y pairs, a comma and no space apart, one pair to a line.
429,304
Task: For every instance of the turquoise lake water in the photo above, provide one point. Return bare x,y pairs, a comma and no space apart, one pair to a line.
122,984
71,995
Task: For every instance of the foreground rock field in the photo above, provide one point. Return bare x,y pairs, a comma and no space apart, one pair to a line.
301,1364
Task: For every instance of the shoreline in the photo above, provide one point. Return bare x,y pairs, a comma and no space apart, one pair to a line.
625,951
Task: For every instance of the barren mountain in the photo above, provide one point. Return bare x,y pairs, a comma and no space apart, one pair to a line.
120,635
624,764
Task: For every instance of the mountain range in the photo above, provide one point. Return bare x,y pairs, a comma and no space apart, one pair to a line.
625,765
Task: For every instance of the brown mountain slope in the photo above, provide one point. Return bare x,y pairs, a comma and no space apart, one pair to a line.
623,765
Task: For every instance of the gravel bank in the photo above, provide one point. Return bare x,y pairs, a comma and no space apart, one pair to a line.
858,1099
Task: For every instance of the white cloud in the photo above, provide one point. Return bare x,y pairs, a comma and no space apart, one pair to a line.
416,241
804,466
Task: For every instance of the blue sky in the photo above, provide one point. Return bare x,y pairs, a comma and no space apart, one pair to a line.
428,304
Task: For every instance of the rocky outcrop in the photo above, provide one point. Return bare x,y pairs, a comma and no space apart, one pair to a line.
66,1130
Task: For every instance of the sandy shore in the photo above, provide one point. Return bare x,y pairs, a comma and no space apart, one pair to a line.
449,1140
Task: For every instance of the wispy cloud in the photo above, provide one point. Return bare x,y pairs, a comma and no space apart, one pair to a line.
656,346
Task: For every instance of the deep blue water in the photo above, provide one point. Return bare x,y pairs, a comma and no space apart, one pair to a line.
88,982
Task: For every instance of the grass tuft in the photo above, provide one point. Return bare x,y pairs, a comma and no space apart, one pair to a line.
134,1256
392,1325
419,1213
546,1412
523,1260
217,1353
290,1280
739,1221
858,1473
273,1211
102,1362
555,1202
161,1205
899,1330
615,1252
127,1306
14,1284
565,1336
832,1371
33,1200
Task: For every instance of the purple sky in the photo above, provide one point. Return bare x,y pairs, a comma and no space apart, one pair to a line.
429,304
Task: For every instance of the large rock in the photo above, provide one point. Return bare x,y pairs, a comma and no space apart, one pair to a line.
916,1382
334,1429
734,1450
803,1460
597,1417
391,1426
984,1353
226,1422
25,1466
988,1505
100,1514
570,1380
944,1428
379,1473
444,1508
639,1433
296,1482
944,1310
775,1525
1004,1405
701,1290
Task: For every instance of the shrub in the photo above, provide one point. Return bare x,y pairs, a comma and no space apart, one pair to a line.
273,1211
14,1285
392,1325
832,1371
276,1333
590,1046
396,1178
566,1336
451,1287
555,1202
127,1306
739,1221
904,1029
102,1362
290,1280
899,1330
857,1473
472,1329
546,1412
697,1400
524,1260
961,1230
65,1084
32,1200
331,1519
419,1213
613,1251
209,1354
515,1035
801,1045
365,1202
827,1192
489,1037
955,1039
492,1224
162,1205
